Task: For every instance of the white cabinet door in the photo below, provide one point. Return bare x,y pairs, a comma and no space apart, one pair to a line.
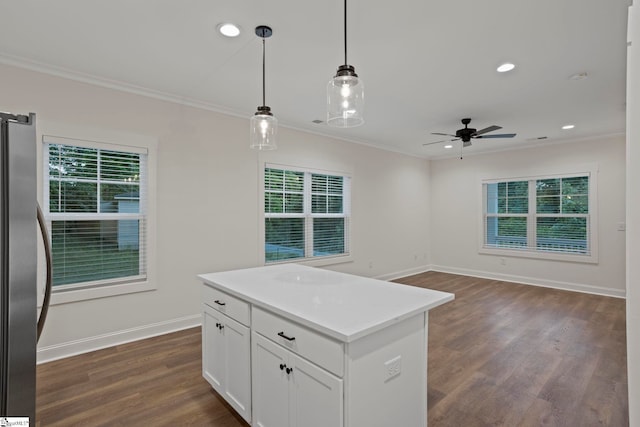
237,367
316,396
290,391
213,352
226,359
270,383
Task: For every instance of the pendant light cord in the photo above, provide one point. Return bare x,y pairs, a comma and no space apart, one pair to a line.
345,33
263,73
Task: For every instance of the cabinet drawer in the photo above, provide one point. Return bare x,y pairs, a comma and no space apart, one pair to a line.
320,349
227,304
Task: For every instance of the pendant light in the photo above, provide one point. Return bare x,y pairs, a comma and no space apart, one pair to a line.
263,125
345,92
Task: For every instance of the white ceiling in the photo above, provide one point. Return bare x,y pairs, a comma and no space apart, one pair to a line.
425,64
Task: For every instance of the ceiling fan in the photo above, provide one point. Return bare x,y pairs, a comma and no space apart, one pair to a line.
466,134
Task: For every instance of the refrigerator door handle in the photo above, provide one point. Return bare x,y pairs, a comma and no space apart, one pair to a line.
47,253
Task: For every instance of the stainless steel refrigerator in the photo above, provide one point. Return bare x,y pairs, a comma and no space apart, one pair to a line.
18,266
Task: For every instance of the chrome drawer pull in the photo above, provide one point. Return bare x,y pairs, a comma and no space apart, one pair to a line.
281,334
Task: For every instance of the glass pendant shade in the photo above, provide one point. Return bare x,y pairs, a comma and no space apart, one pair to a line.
345,99
345,93
263,126
263,129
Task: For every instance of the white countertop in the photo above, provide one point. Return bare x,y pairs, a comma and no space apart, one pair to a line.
343,306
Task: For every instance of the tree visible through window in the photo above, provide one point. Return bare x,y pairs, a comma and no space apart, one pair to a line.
547,215
507,206
96,208
306,214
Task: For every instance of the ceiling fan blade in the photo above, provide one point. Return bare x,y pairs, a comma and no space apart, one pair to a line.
498,135
440,142
489,129
444,134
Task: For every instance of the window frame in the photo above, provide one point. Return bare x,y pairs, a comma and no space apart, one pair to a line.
308,217
108,287
530,250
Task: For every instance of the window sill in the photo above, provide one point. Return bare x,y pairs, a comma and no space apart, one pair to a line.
318,262
524,253
75,295
322,262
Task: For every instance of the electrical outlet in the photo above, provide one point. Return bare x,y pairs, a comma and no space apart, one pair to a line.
392,368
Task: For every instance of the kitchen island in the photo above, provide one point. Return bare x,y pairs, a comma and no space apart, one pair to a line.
290,345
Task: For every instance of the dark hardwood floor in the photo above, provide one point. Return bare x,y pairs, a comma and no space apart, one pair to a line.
153,382
504,354
501,354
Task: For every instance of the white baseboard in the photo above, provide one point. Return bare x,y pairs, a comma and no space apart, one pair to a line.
85,345
404,273
534,281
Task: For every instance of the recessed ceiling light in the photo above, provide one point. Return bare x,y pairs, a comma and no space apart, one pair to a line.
448,146
507,66
229,30
565,127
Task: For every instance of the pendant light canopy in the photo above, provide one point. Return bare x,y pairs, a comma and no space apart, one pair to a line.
263,125
345,92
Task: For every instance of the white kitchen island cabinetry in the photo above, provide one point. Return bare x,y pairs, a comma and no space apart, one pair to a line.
327,349
289,391
226,350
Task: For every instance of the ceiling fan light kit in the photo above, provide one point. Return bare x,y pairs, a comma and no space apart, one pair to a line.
345,92
263,126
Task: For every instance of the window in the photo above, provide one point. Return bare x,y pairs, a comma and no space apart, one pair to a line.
96,203
544,215
306,214
507,211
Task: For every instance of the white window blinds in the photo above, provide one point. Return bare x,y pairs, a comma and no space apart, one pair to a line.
549,214
97,212
306,214
562,214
